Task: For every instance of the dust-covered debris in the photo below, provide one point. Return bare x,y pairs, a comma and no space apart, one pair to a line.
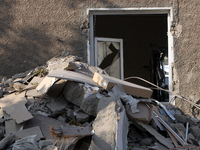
85,113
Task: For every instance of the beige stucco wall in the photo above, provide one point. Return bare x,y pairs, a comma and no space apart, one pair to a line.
33,31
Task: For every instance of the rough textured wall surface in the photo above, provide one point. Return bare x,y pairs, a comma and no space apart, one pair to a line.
33,31
187,51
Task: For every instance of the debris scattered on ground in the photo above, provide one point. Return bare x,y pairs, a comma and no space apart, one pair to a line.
68,104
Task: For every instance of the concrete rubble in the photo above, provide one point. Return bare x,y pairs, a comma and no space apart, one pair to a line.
68,104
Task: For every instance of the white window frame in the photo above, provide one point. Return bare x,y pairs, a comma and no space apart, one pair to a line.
121,52
127,11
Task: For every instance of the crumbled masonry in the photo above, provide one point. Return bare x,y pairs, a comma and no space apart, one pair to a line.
68,104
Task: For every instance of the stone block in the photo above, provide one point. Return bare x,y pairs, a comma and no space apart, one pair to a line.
57,105
195,131
90,104
82,117
74,92
105,125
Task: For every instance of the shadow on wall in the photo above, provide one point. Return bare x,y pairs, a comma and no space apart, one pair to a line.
25,45
23,49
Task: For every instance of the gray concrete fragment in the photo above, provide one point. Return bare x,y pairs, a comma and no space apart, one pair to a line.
82,117
195,131
105,125
179,126
184,119
44,143
90,104
60,118
57,105
70,113
74,92
11,126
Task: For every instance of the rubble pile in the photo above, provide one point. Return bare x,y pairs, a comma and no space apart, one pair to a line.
67,104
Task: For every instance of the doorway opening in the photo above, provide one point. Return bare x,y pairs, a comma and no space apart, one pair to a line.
145,46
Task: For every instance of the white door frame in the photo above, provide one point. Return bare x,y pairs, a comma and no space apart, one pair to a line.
125,11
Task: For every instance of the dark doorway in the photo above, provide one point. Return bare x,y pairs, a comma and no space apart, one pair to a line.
145,44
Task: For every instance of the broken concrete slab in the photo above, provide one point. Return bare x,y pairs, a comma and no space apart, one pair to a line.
105,125
122,130
45,84
72,76
90,104
27,132
14,105
11,126
57,105
108,82
34,82
74,92
33,93
44,123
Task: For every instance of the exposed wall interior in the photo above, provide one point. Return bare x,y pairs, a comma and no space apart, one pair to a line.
142,35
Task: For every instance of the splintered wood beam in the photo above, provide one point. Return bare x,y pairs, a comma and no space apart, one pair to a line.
70,131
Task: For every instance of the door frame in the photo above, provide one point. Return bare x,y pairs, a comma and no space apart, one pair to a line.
127,11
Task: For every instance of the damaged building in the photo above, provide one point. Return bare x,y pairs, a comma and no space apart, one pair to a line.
145,50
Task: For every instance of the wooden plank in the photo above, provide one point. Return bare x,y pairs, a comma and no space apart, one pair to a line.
157,135
107,82
72,76
14,105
